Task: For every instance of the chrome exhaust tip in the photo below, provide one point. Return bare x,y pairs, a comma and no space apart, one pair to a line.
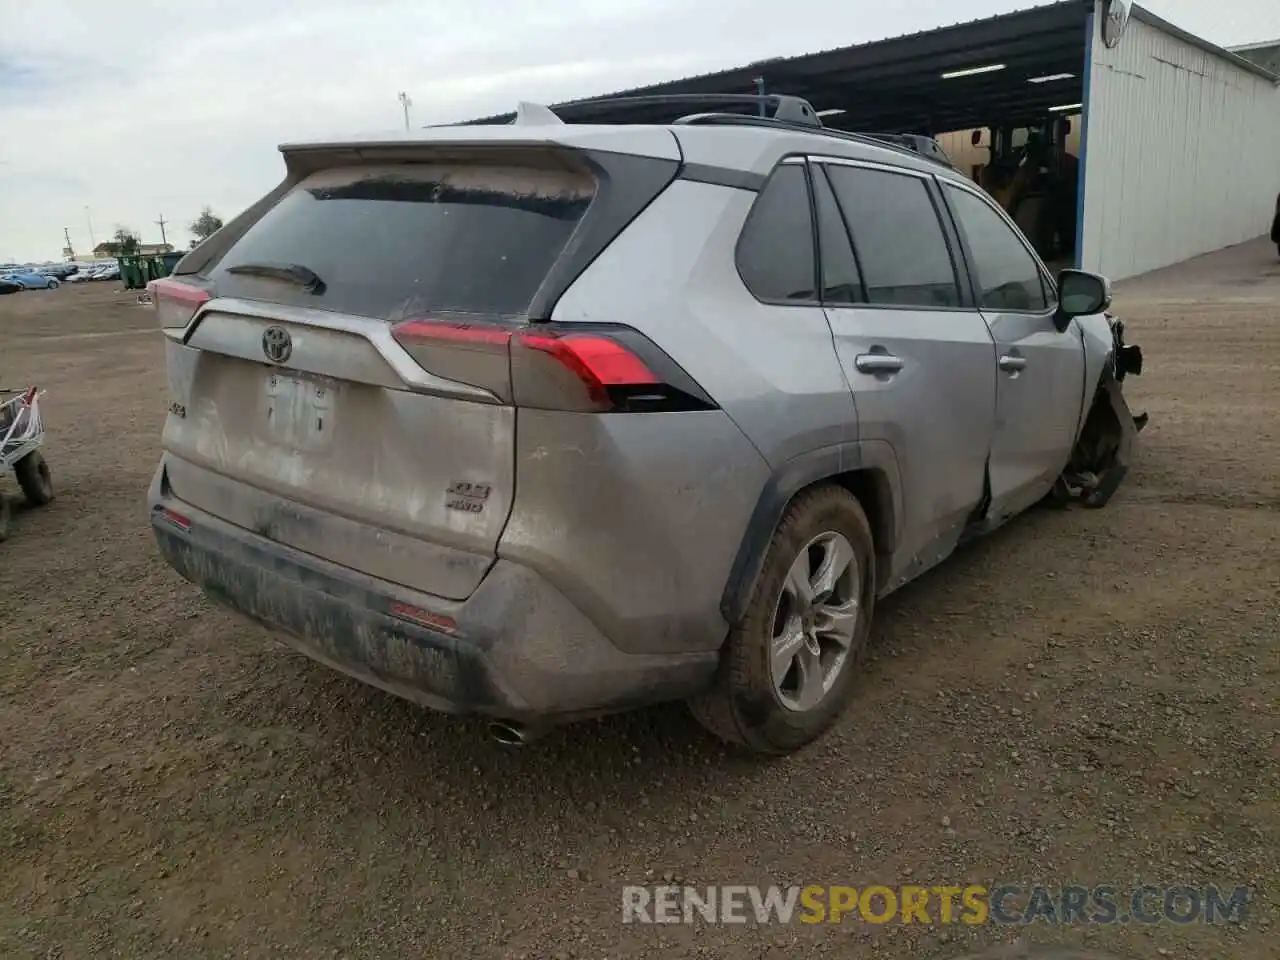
508,733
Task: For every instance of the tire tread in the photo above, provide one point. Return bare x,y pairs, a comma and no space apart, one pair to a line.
715,709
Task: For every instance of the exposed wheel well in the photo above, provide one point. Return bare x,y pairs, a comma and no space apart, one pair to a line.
871,485
872,489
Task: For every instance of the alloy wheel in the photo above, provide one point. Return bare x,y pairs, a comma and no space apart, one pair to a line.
815,621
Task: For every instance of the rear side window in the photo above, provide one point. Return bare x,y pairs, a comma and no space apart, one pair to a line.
1008,275
400,241
898,238
841,280
775,251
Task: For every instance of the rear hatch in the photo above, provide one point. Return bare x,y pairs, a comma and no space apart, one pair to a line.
306,408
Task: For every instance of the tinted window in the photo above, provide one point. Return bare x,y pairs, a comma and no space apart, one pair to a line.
896,232
1007,274
397,241
841,281
775,251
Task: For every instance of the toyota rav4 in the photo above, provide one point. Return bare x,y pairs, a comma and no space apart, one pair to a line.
547,420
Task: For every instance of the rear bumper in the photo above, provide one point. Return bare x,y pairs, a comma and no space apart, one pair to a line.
516,649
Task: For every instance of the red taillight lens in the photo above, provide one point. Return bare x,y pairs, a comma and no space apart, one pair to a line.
600,363
175,303
175,519
478,354
422,332
539,366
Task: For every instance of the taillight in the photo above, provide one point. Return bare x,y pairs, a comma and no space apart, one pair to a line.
174,519
175,303
598,367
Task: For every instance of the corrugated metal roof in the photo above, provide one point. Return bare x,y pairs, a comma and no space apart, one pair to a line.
773,62
896,82
957,38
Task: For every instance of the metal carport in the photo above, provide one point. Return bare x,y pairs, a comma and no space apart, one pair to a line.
1014,70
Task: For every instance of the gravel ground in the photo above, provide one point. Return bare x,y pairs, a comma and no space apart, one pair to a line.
1085,697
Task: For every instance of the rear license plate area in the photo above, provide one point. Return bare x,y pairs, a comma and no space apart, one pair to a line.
300,412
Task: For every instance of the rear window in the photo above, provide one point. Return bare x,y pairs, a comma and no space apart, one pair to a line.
399,241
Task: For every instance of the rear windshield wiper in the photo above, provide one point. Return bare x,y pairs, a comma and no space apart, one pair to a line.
295,273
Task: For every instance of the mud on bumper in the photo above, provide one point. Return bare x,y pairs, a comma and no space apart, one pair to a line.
516,650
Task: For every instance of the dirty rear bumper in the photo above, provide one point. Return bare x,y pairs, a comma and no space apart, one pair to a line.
516,650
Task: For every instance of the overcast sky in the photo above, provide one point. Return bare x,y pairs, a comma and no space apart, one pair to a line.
137,108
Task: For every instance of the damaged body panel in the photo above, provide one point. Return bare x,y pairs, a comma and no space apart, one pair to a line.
1102,453
549,421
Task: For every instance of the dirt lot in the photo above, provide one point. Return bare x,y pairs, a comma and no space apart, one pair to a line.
1085,697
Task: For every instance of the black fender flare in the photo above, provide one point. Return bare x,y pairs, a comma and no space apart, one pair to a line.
875,459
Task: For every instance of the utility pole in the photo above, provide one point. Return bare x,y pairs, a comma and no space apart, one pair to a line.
406,103
71,253
164,241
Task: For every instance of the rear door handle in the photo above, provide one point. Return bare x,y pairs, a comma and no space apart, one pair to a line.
878,363
1012,364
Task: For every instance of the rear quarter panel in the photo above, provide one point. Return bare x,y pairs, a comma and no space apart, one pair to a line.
672,276
638,518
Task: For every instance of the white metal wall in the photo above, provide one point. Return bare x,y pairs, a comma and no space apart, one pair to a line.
1182,152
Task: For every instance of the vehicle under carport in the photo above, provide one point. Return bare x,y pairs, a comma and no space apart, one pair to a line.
1148,145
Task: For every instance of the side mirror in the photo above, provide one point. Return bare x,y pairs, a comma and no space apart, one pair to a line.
1080,294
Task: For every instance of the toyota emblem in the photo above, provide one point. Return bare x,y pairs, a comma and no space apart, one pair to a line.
277,344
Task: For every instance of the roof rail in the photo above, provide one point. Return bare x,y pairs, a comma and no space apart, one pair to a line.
615,109
912,143
792,113
785,108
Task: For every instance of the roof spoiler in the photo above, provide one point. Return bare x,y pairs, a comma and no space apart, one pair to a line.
535,115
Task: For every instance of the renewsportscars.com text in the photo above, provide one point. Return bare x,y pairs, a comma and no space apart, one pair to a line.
974,905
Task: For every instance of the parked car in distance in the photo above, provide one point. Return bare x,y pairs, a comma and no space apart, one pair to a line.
99,272
33,281
608,415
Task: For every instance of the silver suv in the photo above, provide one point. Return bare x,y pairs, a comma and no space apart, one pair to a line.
546,420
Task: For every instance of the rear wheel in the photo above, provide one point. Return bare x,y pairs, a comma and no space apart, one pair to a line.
34,478
788,668
6,514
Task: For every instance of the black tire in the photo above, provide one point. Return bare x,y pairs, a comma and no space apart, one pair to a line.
743,707
34,478
6,515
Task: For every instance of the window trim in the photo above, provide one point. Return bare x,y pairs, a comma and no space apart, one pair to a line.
1047,285
790,160
817,170
950,236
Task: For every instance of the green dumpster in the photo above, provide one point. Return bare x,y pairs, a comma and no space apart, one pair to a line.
170,260
131,272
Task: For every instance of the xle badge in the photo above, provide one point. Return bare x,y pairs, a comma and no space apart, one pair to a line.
467,497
